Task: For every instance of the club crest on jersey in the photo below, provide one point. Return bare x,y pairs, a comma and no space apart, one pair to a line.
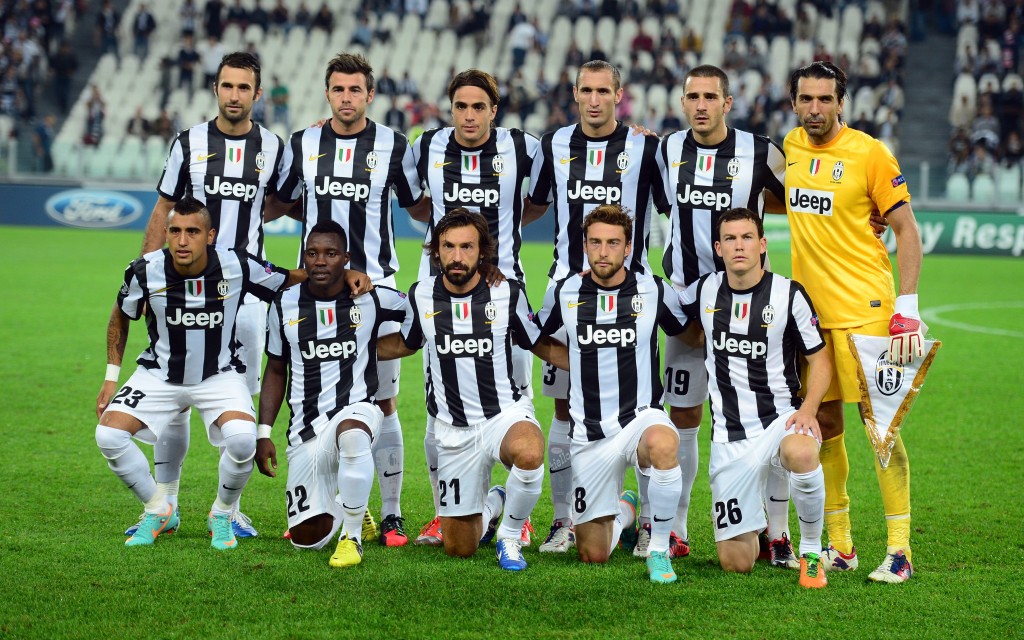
606,302
194,288
124,288
326,317
733,168
815,165
345,155
637,303
622,161
740,309
471,163
491,311
888,376
768,314
460,310
235,154
223,288
595,157
498,164
371,160
705,163
355,315
261,161
837,170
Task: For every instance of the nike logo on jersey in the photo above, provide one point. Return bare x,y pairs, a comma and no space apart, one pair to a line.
573,305
431,314
438,165
153,293
203,157
568,160
708,309
312,157
790,164
390,475
292,323
679,164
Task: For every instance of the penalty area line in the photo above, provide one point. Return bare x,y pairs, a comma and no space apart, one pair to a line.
935,316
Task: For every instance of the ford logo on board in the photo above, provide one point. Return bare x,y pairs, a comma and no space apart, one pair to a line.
93,209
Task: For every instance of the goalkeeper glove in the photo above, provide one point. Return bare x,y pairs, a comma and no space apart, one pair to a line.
906,331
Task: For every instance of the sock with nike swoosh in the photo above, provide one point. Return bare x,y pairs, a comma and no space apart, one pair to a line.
355,479
776,502
687,455
169,454
664,490
389,460
522,491
809,499
237,450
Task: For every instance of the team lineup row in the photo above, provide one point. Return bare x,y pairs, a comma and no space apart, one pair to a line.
345,172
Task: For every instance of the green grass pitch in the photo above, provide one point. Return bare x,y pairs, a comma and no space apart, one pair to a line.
64,571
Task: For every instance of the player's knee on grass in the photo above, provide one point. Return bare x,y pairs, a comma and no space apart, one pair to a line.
799,453
461,535
593,540
523,446
686,417
313,533
239,440
658,447
737,555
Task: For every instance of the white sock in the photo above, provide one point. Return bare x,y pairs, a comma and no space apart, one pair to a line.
128,463
776,502
521,494
687,455
389,460
625,518
560,470
169,451
236,454
430,449
809,499
666,486
355,479
643,486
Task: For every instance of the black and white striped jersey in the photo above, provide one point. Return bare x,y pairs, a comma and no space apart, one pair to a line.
232,175
701,183
487,179
614,362
191,321
752,340
330,347
349,179
468,340
578,173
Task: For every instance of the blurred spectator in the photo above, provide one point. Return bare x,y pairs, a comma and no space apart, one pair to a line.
237,15
985,128
653,121
188,15
259,17
386,85
303,17
167,67
1012,150
323,19
417,8
212,53
95,113
967,12
517,17
142,28
961,113
279,98
981,162
597,53
394,117
63,66
42,142
188,58
164,127
138,125
574,57
106,30
408,86
642,41
1011,108
864,123
362,34
891,95
213,18
279,18
10,93
520,40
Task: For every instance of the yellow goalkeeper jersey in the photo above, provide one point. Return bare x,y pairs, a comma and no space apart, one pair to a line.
831,191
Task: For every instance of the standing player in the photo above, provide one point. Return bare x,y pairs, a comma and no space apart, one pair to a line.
611,317
707,170
230,164
479,167
598,161
755,324
481,416
345,171
325,338
191,295
840,177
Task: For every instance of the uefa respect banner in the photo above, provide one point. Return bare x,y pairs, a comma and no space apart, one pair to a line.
887,390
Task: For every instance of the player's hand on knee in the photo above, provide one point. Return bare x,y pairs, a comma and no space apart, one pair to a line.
266,457
804,423
906,331
106,393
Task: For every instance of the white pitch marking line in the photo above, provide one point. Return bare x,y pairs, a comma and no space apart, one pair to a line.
934,315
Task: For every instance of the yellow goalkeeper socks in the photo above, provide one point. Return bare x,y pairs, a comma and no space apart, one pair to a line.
894,482
837,502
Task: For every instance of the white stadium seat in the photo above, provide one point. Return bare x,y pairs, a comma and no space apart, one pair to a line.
958,188
983,189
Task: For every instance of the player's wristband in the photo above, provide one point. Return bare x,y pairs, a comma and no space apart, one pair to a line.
263,431
906,305
113,371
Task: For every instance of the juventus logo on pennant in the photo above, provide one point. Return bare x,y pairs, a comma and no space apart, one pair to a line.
705,163
606,301
739,310
595,157
326,317
471,163
460,309
235,154
194,288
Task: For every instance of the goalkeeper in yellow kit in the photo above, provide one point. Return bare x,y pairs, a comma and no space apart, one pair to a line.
836,177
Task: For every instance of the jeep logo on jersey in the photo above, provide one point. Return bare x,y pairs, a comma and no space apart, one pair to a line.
837,170
328,349
498,164
733,346
93,209
888,376
352,189
592,192
465,345
705,198
474,196
599,336
237,189
810,201
197,319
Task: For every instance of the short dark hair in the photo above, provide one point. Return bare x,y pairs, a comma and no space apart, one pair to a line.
330,227
740,213
455,219
600,65
710,71
349,63
189,206
822,70
612,214
474,78
241,60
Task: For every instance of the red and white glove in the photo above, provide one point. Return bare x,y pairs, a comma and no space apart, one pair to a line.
906,331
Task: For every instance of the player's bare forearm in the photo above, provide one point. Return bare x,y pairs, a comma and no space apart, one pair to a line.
532,212
156,228
392,347
271,397
275,209
819,376
420,212
296,276
553,351
772,204
117,335
909,252
693,335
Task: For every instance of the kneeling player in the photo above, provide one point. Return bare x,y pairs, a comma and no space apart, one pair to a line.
326,338
616,418
191,293
481,416
755,324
